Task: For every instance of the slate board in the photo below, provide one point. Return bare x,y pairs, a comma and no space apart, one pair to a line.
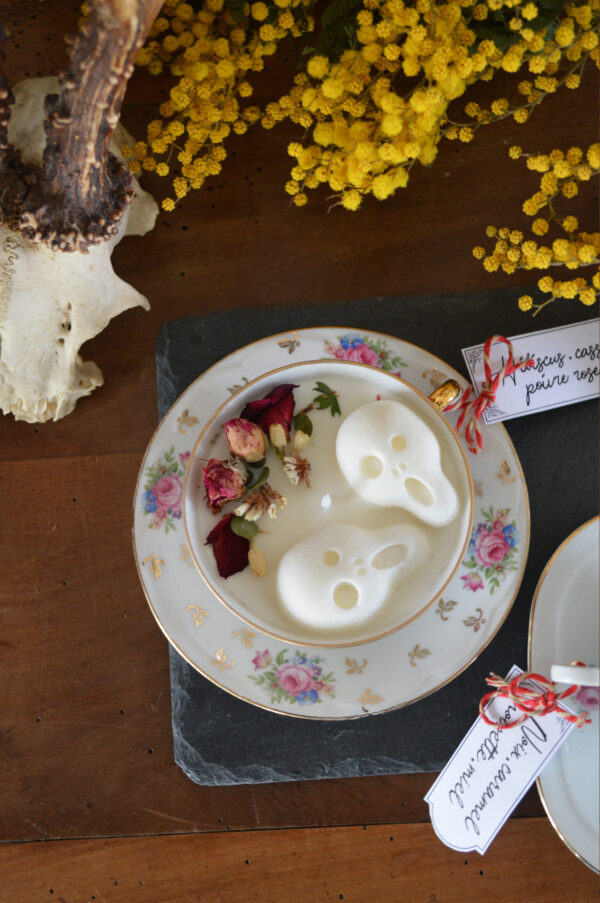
220,740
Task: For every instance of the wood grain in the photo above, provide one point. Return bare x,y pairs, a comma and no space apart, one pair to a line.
85,734
87,741
356,865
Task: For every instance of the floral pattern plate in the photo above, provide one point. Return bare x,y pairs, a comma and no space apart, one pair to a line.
564,627
376,677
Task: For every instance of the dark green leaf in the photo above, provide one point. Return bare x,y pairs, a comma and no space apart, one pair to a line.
259,479
495,27
337,10
236,8
303,422
338,28
327,399
247,529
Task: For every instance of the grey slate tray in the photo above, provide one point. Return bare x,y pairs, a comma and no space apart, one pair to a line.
220,740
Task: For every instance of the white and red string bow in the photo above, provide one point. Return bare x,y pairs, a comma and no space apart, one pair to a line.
530,700
472,406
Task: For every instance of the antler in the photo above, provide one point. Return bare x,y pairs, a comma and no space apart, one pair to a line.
79,195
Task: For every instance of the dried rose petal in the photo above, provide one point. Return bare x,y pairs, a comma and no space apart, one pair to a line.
230,550
245,439
222,483
276,407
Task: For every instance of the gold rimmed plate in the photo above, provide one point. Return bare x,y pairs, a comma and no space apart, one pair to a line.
564,627
306,681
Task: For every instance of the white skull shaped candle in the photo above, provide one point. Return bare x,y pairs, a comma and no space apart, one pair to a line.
342,575
389,456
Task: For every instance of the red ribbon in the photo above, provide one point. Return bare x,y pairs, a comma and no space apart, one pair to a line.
530,700
472,406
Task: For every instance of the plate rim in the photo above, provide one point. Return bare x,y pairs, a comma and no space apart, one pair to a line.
551,561
497,426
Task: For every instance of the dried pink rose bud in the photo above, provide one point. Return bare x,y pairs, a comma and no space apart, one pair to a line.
246,440
230,550
277,407
222,483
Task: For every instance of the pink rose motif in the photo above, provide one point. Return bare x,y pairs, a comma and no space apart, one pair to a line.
167,492
294,679
491,548
262,659
472,581
158,517
500,519
361,353
588,697
183,456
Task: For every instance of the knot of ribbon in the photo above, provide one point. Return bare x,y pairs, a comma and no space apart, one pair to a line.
530,700
472,406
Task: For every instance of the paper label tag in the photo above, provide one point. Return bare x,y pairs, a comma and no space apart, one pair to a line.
490,772
566,370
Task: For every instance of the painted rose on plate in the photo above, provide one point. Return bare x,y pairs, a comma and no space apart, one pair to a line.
163,490
588,697
299,679
492,551
366,350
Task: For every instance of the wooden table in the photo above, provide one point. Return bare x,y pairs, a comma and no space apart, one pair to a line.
93,806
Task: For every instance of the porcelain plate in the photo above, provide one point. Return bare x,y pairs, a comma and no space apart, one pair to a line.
351,682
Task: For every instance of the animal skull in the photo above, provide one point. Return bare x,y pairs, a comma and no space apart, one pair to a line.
342,575
391,457
52,301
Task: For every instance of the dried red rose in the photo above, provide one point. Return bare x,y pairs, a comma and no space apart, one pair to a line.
230,550
277,407
246,440
222,482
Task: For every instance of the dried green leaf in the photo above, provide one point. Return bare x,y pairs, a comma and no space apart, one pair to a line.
247,529
326,399
303,422
259,479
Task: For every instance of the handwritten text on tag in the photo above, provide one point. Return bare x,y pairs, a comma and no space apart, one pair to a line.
566,369
490,772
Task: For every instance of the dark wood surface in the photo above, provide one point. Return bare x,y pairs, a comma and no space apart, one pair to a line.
85,741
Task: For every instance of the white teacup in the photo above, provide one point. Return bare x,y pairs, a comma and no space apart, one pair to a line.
576,675
265,602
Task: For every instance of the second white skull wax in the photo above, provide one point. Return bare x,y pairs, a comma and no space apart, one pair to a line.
391,457
342,575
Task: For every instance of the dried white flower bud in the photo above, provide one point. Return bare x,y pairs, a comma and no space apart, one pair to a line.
277,436
300,441
297,469
265,500
257,561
